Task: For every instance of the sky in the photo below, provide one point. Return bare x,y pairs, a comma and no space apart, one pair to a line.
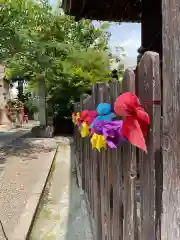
127,35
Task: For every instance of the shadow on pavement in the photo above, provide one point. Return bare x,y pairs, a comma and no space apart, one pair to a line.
26,148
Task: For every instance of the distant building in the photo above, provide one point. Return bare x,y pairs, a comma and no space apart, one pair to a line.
4,88
4,96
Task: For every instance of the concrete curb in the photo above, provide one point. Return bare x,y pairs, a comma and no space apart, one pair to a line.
84,200
22,230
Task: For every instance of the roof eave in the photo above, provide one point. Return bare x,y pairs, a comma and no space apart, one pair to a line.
84,9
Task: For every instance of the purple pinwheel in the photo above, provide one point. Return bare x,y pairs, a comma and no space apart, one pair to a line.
112,131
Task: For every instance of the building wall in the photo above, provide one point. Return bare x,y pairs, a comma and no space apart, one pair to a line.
4,96
4,88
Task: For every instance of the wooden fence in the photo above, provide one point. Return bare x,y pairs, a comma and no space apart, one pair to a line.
123,186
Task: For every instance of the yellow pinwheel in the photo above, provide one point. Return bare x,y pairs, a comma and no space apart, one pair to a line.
98,142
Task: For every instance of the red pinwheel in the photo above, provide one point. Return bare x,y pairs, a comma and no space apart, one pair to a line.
88,116
91,116
83,115
136,120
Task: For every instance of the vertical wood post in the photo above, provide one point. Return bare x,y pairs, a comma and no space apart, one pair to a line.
116,193
129,173
102,95
81,153
149,89
97,184
171,120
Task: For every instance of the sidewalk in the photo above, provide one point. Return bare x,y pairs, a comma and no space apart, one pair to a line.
8,134
61,215
24,166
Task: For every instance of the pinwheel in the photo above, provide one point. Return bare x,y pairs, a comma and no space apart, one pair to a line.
110,130
85,119
91,117
98,142
104,113
75,118
136,120
84,130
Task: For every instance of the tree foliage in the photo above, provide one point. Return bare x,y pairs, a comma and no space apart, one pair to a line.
39,42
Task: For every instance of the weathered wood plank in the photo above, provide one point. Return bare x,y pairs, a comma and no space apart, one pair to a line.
97,196
96,162
128,83
102,96
171,117
116,177
103,172
129,172
117,185
149,90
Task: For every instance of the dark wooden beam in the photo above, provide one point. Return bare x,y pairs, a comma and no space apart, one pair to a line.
105,10
171,120
151,25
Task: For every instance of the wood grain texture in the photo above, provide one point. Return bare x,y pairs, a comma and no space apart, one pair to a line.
171,117
116,169
117,182
103,96
128,83
97,183
129,172
110,176
149,89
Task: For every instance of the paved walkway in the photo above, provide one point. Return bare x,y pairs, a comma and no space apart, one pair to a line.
22,164
61,215
7,134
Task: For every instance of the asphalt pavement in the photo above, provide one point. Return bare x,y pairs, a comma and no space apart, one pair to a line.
8,135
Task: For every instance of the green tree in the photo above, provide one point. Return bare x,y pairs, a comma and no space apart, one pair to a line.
38,42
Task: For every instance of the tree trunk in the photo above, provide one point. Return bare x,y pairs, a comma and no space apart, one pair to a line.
42,103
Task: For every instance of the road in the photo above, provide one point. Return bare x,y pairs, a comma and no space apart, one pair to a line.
23,165
6,136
